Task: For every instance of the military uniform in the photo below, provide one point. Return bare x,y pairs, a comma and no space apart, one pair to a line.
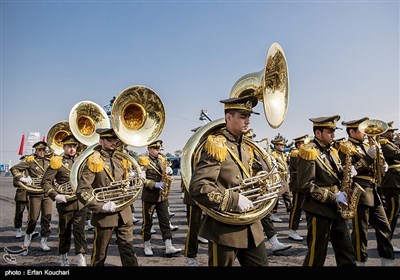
154,198
390,185
71,214
102,168
282,161
39,202
369,210
298,195
319,174
223,164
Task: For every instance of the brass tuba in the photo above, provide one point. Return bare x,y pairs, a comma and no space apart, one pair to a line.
84,118
137,117
56,134
271,86
374,128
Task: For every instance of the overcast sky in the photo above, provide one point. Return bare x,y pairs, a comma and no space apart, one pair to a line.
343,58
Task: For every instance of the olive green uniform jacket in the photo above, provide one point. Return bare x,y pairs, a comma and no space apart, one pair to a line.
212,178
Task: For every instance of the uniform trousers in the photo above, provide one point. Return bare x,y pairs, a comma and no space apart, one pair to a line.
268,226
295,213
72,221
320,230
392,208
42,205
20,206
220,255
376,217
163,219
193,215
102,237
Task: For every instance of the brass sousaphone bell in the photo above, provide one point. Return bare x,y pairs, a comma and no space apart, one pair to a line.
55,136
271,87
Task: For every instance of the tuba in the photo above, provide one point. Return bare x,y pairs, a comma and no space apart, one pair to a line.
137,117
374,128
271,87
56,134
84,118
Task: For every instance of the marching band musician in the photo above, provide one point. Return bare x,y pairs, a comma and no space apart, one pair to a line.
71,213
155,197
103,167
390,186
281,159
222,165
319,173
34,166
295,212
369,210
21,203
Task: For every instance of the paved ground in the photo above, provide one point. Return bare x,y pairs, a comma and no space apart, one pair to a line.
290,258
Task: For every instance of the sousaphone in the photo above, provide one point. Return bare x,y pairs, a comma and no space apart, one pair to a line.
271,87
55,136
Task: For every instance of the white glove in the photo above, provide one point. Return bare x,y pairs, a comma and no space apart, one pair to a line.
341,197
60,198
143,175
169,170
353,172
244,203
372,151
109,207
386,166
160,185
26,180
131,174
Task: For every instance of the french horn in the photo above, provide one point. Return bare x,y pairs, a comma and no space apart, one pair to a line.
270,85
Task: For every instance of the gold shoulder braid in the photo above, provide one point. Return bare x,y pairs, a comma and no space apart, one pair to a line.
334,152
294,153
383,141
55,162
95,163
29,158
308,152
215,147
144,160
347,148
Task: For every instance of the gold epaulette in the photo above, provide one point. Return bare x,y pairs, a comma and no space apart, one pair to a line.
56,162
294,153
126,164
143,160
215,147
347,148
308,152
95,163
383,141
29,158
334,152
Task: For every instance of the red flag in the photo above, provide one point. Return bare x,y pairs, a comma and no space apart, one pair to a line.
21,146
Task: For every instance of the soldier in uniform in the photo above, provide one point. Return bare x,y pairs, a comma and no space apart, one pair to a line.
71,214
102,168
21,203
223,164
390,185
34,166
369,210
281,159
155,197
295,213
319,174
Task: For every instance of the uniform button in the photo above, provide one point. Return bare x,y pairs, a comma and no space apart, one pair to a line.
237,176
